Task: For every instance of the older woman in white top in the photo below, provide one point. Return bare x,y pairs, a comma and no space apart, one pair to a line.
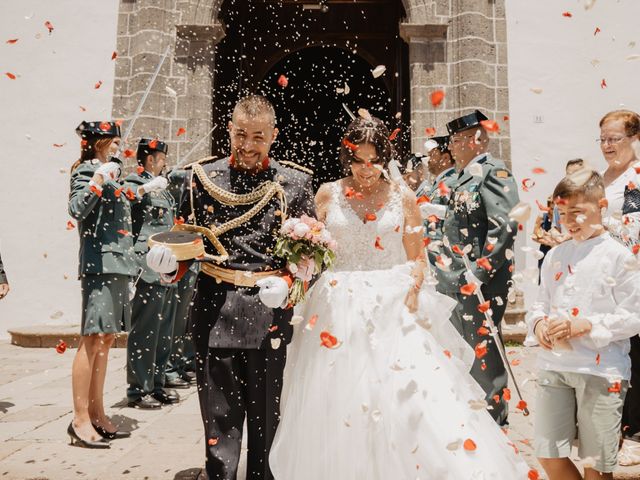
619,130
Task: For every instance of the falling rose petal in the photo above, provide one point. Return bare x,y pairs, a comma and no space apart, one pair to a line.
59,145
469,445
12,41
181,131
312,322
61,347
364,113
394,134
490,125
10,75
588,4
456,249
333,283
455,445
505,118
118,192
378,244
533,474
212,442
327,340
422,199
283,81
521,405
49,26
558,275
128,153
483,331
123,232
114,55
575,311
351,146
536,90
296,319
598,359
370,217
82,109
614,388
603,83
506,394
527,184
515,362
153,144
98,84
437,97
430,131
95,190
275,343
481,349
484,263
567,14
70,225
635,249
539,170
378,71
596,31
484,307
468,289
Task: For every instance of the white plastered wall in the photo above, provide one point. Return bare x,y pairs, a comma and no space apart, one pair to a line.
56,74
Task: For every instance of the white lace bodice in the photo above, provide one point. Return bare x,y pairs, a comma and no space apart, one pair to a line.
357,240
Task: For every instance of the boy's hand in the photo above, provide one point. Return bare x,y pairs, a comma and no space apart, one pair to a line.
565,329
540,331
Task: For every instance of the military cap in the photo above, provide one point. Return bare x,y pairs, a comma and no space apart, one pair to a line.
98,129
465,122
147,146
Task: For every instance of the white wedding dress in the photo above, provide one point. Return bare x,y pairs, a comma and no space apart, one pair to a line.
393,400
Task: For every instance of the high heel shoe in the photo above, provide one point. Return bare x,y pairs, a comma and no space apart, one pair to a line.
111,435
75,439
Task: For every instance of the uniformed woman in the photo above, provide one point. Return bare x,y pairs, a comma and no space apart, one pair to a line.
100,204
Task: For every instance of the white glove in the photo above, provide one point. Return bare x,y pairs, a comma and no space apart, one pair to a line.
161,259
109,171
156,185
428,209
274,291
471,278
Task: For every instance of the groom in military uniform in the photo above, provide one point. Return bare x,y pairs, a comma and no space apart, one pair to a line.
482,193
239,329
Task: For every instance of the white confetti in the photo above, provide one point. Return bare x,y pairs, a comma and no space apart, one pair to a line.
521,212
56,315
476,169
171,91
536,90
378,71
296,319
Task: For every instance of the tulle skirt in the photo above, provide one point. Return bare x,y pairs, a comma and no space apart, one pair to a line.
374,392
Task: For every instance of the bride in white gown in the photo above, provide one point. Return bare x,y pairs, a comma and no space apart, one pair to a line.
376,384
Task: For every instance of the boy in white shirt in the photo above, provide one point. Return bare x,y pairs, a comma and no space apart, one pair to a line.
586,311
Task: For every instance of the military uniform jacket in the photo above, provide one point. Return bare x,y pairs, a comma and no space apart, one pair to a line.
478,215
3,275
150,214
238,319
104,224
433,230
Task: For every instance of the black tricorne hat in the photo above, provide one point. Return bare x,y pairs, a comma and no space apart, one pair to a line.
98,129
466,121
147,146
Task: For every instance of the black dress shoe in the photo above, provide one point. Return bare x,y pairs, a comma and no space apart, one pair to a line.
166,398
76,440
147,402
111,435
189,377
177,383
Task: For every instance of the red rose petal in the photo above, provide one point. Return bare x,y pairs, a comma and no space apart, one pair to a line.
469,445
283,81
437,97
327,340
70,225
181,131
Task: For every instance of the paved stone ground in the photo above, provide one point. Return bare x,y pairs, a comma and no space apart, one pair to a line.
35,409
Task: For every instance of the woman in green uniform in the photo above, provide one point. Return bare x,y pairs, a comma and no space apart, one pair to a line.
100,204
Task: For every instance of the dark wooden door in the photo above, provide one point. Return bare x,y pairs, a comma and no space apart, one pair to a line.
318,51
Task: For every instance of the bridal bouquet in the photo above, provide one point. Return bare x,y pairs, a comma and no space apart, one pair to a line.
307,246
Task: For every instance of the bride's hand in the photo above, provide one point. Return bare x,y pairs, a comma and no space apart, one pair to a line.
411,300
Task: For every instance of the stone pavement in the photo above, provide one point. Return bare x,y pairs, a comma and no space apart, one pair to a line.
35,410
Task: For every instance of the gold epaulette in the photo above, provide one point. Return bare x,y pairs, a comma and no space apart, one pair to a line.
295,166
202,161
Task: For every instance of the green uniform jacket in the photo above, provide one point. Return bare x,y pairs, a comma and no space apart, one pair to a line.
478,215
104,224
152,213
